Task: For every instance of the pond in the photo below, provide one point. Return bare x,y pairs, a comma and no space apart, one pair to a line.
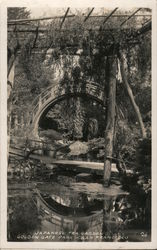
70,207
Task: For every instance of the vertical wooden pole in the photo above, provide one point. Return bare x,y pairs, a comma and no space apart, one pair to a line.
111,104
131,96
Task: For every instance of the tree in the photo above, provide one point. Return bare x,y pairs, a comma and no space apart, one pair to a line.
109,130
15,13
130,94
13,41
93,48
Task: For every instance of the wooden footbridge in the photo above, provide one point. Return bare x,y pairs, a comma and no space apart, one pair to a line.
75,165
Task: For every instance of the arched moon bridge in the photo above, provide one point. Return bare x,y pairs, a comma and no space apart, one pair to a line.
53,94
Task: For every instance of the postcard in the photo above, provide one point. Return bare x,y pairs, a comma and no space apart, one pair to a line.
78,124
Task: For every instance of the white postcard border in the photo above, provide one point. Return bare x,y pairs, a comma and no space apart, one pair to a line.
3,125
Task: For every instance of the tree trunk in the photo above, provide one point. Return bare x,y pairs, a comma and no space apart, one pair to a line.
109,132
9,104
132,99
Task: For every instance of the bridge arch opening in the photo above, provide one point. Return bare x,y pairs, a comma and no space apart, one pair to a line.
74,118
77,114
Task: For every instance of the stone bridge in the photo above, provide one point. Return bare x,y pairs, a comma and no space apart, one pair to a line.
54,94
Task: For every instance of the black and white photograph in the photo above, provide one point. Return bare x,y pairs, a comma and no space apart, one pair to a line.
79,124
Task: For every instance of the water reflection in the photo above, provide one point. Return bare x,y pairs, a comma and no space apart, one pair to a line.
72,222
60,215
63,209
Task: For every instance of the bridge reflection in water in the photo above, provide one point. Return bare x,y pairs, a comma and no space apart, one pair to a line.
49,211
73,222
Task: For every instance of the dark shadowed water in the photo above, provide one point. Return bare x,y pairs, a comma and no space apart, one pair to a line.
65,208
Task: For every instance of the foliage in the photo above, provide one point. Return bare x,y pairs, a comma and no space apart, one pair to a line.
144,158
34,71
77,118
23,219
15,13
139,187
144,55
75,55
126,139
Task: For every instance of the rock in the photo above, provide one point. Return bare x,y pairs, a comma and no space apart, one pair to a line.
78,148
116,182
84,177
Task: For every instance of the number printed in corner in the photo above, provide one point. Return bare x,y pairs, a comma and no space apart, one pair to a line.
144,234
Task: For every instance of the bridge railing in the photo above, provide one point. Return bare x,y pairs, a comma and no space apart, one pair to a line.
54,91
92,220
25,141
40,97
39,147
44,148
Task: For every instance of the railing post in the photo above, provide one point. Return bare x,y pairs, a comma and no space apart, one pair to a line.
40,101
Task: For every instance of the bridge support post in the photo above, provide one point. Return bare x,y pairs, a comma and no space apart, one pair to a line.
111,103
